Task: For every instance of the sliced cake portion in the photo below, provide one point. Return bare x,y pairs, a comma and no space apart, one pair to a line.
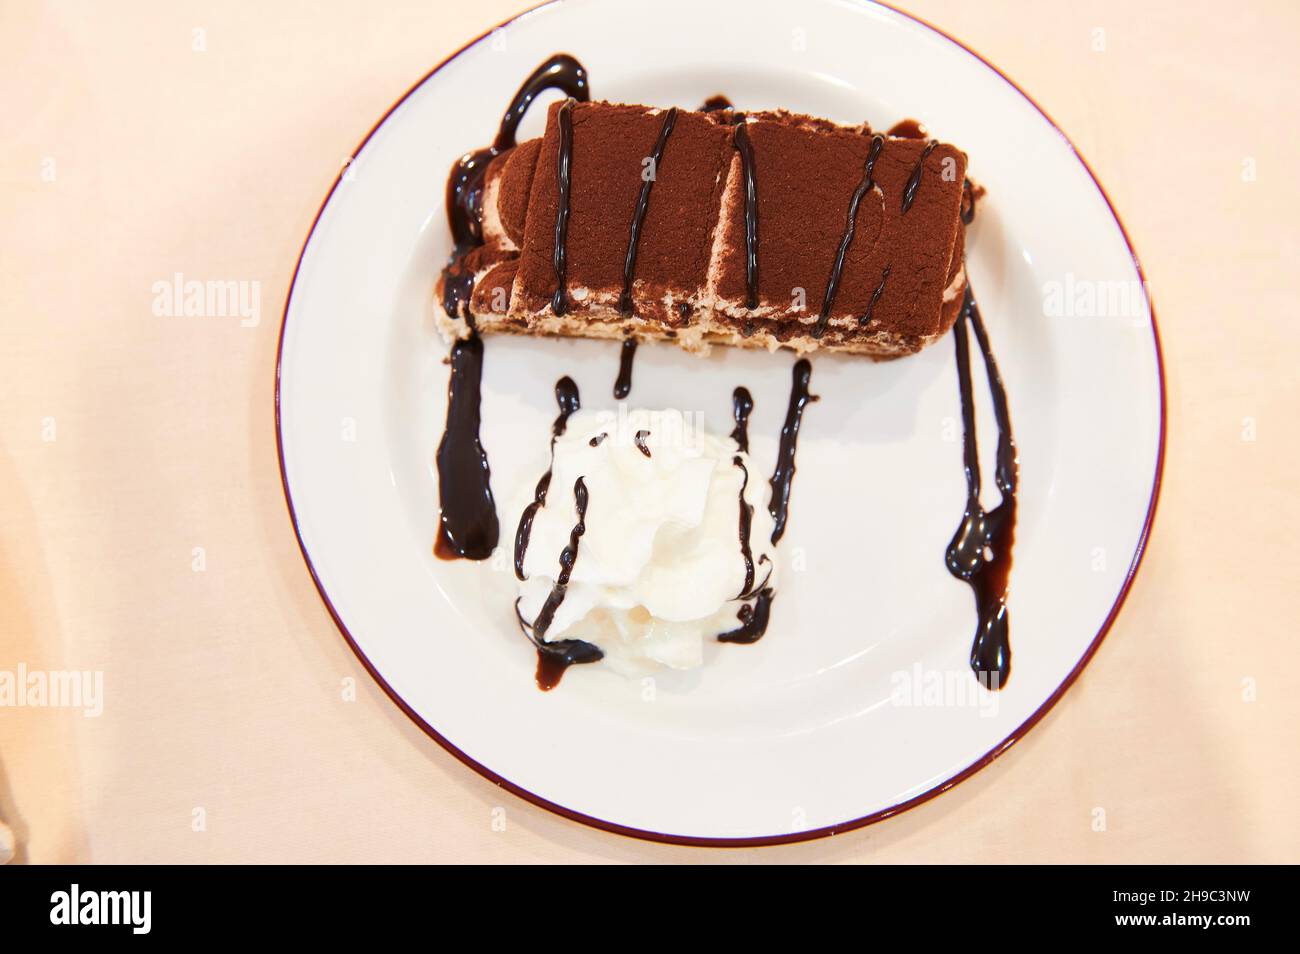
612,149
762,230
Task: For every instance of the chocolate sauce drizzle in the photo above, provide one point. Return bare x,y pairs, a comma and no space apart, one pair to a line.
563,178
746,525
639,441
914,181
561,72
875,295
554,658
568,558
783,477
753,620
850,226
742,403
468,525
716,104
908,129
465,183
623,383
457,287
746,149
566,396
468,521
638,216
967,202
980,551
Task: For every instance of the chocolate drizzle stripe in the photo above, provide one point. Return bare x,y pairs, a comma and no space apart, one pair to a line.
623,383
967,202
457,287
850,227
980,551
468,525
568,558
914,181
561,72
753,620
524,532
875,296
908,129
563,178
466,182
566,396
742,403
554,658
783,477
639,441
746,149
746,526
642,205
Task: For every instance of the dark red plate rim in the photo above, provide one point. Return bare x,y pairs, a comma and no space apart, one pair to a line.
617,829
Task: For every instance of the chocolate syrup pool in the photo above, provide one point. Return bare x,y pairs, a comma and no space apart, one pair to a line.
468,525
979,553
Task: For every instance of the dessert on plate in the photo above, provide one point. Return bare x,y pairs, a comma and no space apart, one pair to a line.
764,229
647,537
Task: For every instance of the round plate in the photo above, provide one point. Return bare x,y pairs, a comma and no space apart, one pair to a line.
859,701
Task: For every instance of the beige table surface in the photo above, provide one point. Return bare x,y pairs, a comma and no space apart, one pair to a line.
128,440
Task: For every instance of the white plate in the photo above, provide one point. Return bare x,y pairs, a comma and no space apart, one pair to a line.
803,733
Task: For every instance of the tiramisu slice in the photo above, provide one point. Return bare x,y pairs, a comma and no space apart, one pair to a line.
762,230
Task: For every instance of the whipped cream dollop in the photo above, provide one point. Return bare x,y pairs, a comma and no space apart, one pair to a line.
645,510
